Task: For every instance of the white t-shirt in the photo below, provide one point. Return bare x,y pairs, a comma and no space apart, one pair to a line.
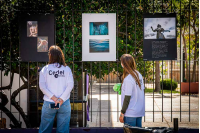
136,107
56,81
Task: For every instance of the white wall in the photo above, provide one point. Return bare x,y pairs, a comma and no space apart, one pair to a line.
22,94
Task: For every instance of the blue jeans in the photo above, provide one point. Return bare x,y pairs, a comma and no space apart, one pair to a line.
48,115
133,121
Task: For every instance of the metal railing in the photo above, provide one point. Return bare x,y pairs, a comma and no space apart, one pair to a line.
10,12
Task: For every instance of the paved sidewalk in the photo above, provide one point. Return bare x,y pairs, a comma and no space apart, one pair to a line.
106,112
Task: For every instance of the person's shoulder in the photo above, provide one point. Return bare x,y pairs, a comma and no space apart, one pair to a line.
67,68
129,78
138,73
45,68
141,76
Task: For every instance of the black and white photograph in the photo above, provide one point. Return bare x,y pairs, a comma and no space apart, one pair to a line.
42,44
159,33
159,28
32,28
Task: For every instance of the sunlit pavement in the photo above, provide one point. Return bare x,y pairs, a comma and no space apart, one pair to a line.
106,112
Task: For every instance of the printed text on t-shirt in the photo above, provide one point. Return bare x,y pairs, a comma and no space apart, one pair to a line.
57,74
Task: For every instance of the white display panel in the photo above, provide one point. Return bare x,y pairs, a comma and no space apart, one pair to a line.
99,37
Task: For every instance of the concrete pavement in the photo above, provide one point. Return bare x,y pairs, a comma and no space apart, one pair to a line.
106,105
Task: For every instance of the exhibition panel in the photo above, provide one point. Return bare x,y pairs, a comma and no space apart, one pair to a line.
162,36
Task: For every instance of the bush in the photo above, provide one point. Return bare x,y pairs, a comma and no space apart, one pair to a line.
167,84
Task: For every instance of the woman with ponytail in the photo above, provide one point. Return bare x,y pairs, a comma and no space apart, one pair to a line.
132,93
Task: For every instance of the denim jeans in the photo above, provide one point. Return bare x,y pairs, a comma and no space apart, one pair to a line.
48,115
133,121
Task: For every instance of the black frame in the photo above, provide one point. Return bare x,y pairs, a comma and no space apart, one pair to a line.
172,43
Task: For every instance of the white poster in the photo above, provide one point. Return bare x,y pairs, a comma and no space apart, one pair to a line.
99,37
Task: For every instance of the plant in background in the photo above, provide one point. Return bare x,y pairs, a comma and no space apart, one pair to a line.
168,84
69,38
188,24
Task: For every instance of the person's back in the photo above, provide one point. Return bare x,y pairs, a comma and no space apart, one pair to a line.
56,79
132,93
136,107
56,82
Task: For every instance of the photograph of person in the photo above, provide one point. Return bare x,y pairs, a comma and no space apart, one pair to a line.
42,44
159,28
32,29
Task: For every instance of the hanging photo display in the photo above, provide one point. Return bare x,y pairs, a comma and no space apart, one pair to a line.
99,37
98,28
36,36
32,28
99,45
42,44
159,41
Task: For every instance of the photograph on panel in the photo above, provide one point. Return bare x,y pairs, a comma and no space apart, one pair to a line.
159,28
99,45
98,28
42,44
32,28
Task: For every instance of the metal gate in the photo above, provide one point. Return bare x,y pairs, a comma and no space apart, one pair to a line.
20,112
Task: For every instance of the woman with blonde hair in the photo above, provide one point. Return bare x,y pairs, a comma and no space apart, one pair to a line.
132,93
56,82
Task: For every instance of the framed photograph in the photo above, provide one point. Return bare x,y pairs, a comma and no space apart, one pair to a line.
36,34
98,28
42,44
99,37
99,45
159,37
159,28
32,28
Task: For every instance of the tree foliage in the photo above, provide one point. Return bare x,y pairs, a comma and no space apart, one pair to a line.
69,33
68,23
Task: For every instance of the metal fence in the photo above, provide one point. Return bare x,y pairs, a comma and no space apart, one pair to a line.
22,103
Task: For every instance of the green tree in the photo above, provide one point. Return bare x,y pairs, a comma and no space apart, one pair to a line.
69,38
189,24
